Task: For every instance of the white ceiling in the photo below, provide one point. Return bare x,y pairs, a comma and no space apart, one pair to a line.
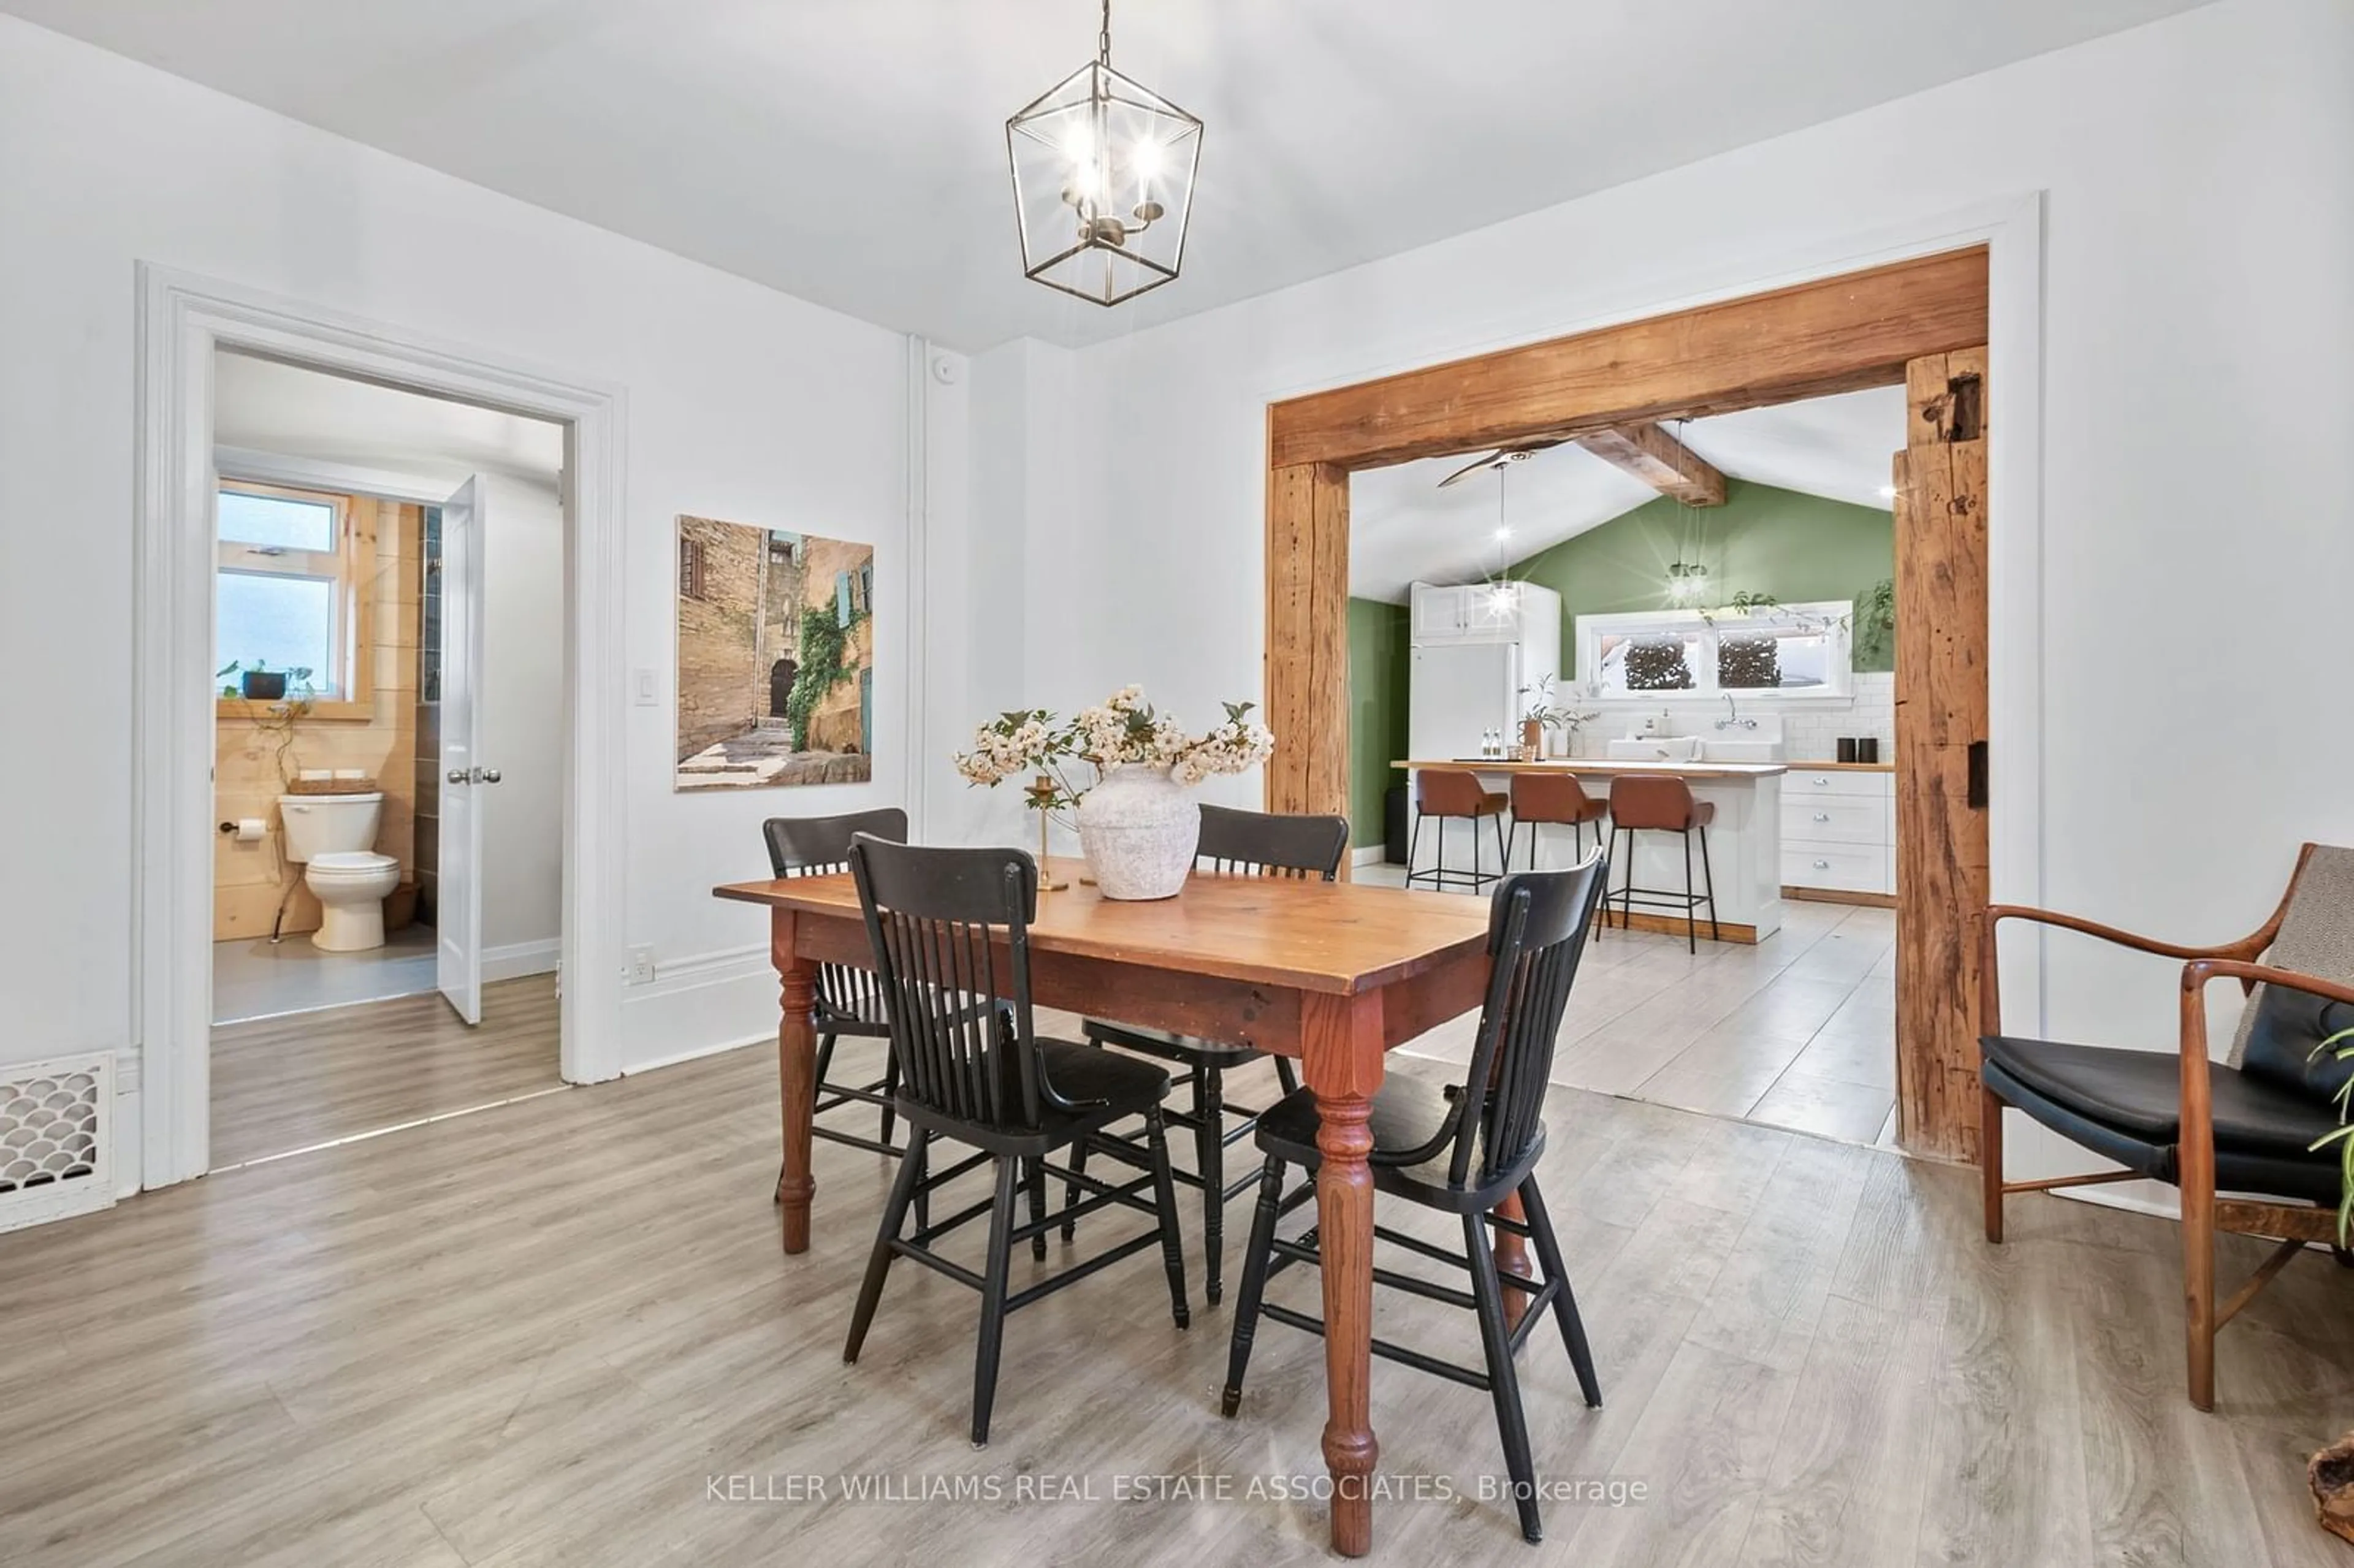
853,152
263,406
1403,529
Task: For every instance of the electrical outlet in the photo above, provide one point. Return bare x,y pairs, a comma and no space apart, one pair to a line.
641,967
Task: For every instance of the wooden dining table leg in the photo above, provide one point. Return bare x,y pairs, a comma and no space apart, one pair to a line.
796,1077
1511,1253
1342,1041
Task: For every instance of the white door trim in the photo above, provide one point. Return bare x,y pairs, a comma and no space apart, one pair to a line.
312,473
182,319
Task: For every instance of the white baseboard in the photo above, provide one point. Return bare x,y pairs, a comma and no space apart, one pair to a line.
519,958
698,1006
697,1054
1372,854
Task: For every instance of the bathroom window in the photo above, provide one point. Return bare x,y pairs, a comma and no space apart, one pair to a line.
1791,651
285,587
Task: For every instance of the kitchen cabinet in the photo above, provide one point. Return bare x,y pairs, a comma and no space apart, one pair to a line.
1838,831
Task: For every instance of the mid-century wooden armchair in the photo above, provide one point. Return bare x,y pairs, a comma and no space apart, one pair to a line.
2245,1127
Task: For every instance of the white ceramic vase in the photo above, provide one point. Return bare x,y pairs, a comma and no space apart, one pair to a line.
1138,828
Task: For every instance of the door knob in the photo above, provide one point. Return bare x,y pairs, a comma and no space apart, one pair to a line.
457,776
487,775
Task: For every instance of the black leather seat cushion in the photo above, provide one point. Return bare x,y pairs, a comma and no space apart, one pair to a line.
1126,1086
1407,1114
1188,1049
2127,1106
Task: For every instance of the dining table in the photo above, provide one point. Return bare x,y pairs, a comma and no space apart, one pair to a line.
1334,975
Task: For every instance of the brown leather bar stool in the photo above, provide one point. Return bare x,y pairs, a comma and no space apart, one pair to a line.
1663,803
1555,798
1444,792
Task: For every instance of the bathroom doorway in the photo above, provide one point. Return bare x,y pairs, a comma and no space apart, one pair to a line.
390,597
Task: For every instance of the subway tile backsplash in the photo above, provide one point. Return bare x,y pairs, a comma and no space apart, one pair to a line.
1808,735
1812,735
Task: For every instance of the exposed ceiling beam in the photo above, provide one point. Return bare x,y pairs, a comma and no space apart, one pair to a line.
1659,461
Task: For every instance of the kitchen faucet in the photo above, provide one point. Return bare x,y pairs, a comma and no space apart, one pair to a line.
1733,719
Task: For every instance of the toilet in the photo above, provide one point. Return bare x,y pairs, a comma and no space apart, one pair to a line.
330,836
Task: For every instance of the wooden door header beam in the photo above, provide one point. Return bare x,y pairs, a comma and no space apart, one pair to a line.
1659,461
1836,335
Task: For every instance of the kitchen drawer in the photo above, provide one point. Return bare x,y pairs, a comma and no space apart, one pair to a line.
1800,785
1841,819
1846,868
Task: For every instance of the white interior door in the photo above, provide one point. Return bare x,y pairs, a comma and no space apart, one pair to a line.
458,911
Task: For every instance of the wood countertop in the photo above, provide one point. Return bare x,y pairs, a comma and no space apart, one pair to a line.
1601,766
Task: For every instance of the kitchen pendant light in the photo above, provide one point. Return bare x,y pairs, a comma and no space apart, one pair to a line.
1103,181
1687,581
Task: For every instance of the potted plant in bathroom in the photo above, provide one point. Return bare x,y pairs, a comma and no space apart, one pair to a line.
282,715
256,682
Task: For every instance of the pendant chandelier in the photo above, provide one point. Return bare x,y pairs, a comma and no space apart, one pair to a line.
1103,181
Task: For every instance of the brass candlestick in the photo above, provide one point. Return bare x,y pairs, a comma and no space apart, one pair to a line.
1042,796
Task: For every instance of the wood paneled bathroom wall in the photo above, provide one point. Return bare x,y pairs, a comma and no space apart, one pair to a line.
377,734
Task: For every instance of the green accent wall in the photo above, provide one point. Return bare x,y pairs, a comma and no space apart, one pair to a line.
1762,540
1377,711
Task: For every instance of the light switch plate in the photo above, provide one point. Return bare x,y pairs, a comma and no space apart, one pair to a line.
641,965
648,689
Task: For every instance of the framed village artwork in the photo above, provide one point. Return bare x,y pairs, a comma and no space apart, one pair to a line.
776,658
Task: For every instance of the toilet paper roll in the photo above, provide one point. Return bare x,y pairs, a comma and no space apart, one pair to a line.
251,829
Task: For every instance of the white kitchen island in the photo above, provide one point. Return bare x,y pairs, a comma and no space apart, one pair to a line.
1745,842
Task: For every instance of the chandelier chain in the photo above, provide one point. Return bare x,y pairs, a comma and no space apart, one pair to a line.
1103,38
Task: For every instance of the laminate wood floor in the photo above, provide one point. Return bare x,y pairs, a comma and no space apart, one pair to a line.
305,1078
1797,1030
552,1332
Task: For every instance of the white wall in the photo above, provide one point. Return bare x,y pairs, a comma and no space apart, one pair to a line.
290,412
2200,222
741,403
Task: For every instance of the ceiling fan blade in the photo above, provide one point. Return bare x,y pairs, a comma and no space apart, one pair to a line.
1498,459
1494,459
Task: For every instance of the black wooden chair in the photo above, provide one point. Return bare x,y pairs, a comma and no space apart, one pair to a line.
848,1000
1462,1151
1241,843
951,931
2243,1127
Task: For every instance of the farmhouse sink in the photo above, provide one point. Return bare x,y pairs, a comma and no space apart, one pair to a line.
1656,748
1745,749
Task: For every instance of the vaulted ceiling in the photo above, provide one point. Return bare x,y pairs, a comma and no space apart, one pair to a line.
1404,529
853,152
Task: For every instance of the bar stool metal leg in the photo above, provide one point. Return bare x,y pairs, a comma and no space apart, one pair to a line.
1692,910
1708,872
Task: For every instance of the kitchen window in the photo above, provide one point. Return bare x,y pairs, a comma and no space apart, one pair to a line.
287,586
1784,652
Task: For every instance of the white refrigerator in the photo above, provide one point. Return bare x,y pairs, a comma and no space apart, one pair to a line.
1458,692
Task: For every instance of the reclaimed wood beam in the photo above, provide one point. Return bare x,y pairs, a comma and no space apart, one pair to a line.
1659,461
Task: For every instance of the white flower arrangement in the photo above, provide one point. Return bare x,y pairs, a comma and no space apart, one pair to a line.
1121,730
